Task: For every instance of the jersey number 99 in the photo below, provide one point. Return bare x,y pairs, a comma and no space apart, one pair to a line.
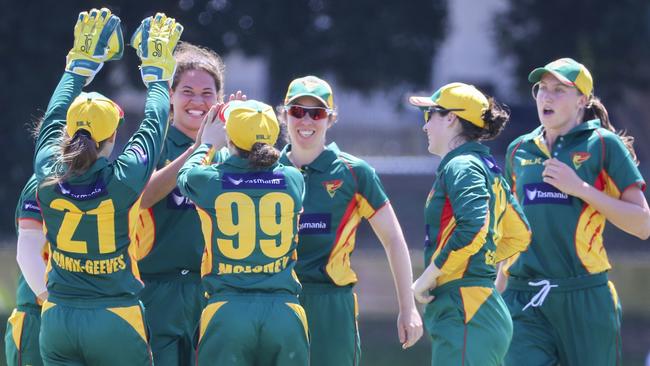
273,206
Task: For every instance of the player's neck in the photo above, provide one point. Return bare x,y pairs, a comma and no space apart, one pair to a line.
301,156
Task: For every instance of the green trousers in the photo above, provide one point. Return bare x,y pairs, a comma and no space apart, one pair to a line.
332,313
469,324
173,308
76,336
253,329
21,337
577,322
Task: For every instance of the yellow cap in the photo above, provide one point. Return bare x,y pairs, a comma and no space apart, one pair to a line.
248,122
94,113
464,100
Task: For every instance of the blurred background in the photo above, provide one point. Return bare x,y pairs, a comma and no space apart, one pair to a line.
375,54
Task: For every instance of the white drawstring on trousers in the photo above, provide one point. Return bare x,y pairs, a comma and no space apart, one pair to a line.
539,297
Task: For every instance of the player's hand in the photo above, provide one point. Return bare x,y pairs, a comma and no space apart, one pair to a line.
213,129
154,41
409,327
562,177
421,288
239,95
97,39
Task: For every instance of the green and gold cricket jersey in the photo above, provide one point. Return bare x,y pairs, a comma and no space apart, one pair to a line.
27,209
169,233
90,219
340,190
249,220
472,220
567,232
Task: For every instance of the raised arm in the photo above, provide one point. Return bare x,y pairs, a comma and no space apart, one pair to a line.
97,38
154,42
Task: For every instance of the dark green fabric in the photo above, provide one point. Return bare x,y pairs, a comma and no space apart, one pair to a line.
254,330
90,336
332,324
29,352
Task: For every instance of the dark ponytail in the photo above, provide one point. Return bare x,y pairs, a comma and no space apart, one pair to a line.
77,154
261,155
595,109
495,117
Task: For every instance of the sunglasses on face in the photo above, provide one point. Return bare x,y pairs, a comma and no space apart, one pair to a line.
431,110
315,113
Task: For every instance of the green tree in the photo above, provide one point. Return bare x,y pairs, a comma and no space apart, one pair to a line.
611,38
364,44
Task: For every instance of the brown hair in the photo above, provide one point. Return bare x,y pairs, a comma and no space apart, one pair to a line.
261,155
77,153
495,117
595,109
191,57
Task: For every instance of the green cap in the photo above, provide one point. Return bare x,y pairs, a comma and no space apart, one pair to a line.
569,72
310,86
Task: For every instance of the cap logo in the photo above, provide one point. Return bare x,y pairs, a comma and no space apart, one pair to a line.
262,137
83,123
310,84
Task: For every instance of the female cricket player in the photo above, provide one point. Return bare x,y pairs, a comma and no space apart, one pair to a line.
472,223
169,237
90,205
571,175
341,190
248,205
24,324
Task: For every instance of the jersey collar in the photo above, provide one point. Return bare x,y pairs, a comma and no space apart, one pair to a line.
468,147
584,126
322,161
177,137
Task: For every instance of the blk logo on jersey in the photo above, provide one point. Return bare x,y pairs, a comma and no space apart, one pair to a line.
31,206
578,158
258,180
537,193
315,223
83,192
332,185
175,200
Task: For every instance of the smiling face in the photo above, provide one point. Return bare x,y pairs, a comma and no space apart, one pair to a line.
195,93
559,106
306,133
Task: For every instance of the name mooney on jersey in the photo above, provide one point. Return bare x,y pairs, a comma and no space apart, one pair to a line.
276,266
537,193
260,180
89,266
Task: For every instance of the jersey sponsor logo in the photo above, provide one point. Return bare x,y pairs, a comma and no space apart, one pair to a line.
31,206
82,192
579,157
257,180
176,200
89,266
537,193
527,162
491,164
140,154
332,185
315,223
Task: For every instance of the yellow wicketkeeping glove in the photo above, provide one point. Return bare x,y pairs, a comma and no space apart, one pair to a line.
97,38
154,40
